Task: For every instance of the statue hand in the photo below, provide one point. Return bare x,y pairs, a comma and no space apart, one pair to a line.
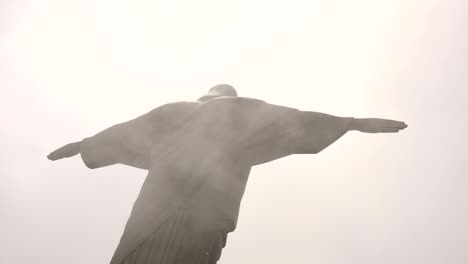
66,151
377,125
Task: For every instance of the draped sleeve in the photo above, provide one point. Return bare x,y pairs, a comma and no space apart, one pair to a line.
319,131
260,132
198,172
130,142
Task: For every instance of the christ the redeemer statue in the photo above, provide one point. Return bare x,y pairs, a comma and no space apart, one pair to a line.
198,156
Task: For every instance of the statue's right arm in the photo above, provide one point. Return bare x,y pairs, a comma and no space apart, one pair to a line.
126,143
111,146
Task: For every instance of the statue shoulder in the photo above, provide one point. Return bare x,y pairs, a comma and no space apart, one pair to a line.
175,107
170,112
233,102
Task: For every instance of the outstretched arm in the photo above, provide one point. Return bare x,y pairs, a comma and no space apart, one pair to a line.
111,146
312,132
320,130
127,143
264,132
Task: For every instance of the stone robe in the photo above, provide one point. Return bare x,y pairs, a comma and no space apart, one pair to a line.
198,157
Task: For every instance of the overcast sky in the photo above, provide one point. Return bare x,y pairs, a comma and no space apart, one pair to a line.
69,69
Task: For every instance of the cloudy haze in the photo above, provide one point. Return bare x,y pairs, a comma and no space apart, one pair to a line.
69,69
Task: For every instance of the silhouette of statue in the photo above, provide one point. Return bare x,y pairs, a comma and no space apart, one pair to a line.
199,155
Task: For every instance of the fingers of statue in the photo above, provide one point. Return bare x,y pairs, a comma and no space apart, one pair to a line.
64,152
57,154
389,126
395,124
389,130
378,125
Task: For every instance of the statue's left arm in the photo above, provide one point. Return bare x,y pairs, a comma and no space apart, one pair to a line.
265,132
305,132
290,131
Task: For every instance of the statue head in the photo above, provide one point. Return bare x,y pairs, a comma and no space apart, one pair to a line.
218,91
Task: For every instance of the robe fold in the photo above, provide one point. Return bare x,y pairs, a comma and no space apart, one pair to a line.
199,157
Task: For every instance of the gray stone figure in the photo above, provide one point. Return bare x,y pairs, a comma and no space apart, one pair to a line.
198,156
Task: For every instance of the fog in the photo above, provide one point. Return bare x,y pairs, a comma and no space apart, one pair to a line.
69,69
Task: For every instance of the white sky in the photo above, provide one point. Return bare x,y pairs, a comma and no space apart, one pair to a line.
69,69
